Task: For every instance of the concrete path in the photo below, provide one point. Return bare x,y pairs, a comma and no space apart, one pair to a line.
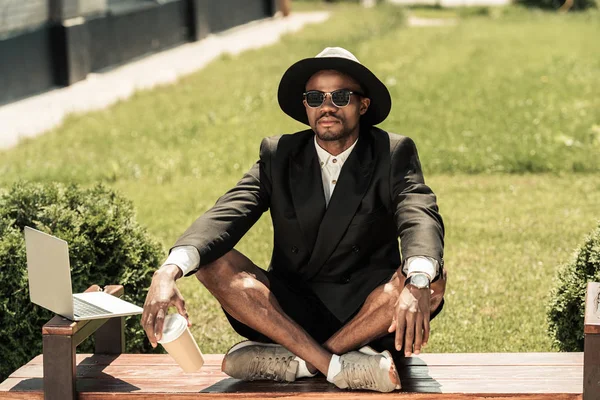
452,3
416,21
34,115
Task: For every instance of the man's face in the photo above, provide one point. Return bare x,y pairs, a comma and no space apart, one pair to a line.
328,121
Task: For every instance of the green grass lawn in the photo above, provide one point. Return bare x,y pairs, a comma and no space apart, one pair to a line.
502,108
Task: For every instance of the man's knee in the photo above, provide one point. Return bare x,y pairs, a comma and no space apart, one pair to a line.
214,273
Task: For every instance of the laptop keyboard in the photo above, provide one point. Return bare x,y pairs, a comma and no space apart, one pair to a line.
82,308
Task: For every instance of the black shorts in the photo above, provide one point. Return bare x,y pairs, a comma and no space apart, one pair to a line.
304,307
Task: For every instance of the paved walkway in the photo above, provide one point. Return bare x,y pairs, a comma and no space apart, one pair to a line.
416,21
34,115
452,3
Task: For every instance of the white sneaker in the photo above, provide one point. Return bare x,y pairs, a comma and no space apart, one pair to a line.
252,361
367,369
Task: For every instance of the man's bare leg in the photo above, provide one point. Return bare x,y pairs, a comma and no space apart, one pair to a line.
243,291
371,322
375,316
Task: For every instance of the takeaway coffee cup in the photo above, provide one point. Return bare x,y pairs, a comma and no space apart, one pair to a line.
180,344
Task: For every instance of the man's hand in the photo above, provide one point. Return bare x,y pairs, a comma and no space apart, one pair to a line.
411,319
162,293
405,316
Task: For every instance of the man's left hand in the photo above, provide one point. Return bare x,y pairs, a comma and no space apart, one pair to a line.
411,319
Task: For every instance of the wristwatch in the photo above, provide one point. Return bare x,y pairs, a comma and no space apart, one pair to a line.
419,280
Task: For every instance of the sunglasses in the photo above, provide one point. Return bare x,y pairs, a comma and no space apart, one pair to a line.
339,98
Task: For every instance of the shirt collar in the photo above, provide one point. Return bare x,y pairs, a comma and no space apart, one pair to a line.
325,157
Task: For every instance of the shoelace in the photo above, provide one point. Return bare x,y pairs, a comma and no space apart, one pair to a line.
271,368
358,376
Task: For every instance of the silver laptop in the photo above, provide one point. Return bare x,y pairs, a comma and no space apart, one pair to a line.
50,282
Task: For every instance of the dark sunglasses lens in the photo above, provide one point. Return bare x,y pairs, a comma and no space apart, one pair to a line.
314,99
341,98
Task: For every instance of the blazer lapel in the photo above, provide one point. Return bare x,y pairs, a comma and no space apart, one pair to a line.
351,187
307,191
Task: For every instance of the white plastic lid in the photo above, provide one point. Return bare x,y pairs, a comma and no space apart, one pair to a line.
174,326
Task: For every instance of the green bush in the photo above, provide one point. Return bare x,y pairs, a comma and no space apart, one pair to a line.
567,301
555,4
106,246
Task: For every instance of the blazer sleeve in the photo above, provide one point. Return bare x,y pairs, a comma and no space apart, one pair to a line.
418,221
218,230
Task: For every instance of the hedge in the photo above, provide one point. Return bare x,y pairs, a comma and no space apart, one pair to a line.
106,246
577,5
567,298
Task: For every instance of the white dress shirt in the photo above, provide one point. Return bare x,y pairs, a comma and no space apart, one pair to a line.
187,258
331,166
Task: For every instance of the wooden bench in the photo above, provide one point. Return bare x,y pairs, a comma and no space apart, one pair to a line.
111,375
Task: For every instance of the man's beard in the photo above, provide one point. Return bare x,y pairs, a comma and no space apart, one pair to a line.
328,135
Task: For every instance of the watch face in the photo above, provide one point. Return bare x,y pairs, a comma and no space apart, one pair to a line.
419,280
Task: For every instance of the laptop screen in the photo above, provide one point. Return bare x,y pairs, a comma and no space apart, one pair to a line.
49,272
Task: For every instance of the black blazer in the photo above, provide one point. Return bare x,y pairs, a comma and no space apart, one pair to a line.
345,251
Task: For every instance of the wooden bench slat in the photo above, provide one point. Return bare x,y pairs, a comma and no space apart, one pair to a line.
123,371
430,360
342,396
516,372
131,359
466,359
547,389
320,385
458,359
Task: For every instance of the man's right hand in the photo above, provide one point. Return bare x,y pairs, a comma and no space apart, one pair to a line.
162,293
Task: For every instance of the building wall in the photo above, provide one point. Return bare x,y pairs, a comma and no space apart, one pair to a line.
45,43
61,10
17,15
88,7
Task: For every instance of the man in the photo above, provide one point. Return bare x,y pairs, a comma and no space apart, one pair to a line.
340,195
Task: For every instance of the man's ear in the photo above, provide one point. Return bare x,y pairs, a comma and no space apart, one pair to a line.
365,102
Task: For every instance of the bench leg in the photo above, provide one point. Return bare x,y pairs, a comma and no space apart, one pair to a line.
60,368
591,367
110,337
